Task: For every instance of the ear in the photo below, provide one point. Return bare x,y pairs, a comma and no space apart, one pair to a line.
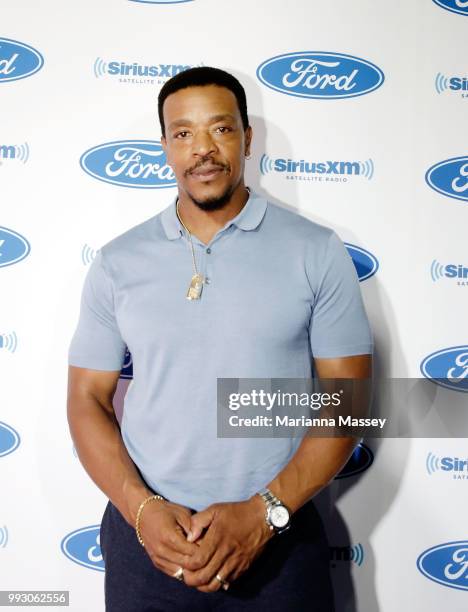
248,140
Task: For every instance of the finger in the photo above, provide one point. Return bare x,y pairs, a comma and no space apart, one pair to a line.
206,547
184,520
219,581
205,575
167,568
199,522
167,555
174,538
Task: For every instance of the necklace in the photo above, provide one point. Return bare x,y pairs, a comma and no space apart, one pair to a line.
196,284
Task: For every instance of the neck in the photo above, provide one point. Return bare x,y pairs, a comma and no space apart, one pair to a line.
205,223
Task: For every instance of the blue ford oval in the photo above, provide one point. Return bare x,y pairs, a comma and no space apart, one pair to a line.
18,60
129,163
448,367
365,263
455,6
450,177
446,564
13,247
127,367
9,439
318,74
360,460
83,547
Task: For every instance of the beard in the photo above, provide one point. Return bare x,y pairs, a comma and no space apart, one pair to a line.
214,202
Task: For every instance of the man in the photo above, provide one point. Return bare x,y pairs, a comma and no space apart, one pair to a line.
196,521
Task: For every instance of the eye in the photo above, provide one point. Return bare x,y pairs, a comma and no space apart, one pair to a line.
182,134
223,129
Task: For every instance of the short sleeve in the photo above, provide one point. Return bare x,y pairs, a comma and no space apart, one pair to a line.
339,326
97,343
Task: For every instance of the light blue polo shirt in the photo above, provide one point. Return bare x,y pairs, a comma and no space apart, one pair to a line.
280,290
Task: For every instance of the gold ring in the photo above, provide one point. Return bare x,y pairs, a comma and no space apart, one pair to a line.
179,574
224,583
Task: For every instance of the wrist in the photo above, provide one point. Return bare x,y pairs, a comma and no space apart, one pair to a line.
258,510
134,499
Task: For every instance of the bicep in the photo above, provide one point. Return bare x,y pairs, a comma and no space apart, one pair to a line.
355,366
86,384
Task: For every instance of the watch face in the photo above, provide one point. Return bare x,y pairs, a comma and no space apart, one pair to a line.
279,516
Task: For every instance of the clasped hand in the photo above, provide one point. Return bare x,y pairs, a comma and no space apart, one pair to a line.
223,539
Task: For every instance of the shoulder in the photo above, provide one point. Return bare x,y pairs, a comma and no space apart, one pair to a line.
289,224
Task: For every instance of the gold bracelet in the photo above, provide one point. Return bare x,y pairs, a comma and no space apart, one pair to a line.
138,516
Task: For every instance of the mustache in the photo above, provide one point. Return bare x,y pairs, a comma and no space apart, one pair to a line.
208,161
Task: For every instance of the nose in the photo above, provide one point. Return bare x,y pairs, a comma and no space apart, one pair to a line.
203,144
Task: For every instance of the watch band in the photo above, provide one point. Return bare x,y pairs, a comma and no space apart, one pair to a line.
271,500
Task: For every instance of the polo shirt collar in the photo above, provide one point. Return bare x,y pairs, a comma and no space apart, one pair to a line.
249,217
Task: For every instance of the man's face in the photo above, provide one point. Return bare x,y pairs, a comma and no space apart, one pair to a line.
205,143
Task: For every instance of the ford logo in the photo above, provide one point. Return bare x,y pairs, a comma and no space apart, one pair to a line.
9,439
129,163
317,74
127,367
450,177
83,547
446,564
365,263
448,368
359,461
13,247
17,60
456,6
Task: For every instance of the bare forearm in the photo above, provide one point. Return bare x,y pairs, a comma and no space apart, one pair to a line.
313,466
98,442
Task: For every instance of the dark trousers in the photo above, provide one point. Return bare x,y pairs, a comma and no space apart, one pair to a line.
292,574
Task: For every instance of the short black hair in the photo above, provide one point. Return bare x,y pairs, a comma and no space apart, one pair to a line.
199,76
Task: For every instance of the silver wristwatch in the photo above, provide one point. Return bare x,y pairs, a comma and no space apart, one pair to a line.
277,515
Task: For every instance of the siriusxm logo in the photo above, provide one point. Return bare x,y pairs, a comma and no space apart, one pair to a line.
446,564
87,255
3,536
455,83
453,465
9,342
137,73
15,152
452,271
13,247
450,177
448,368
347,554
129,163
455,6
360,460
316,74
9,439
83,547
334,171
18,60
365,263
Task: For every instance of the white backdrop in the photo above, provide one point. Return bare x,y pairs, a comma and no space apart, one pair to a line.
380,521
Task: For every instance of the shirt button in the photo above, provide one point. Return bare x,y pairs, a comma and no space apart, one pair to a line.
208,250
207,280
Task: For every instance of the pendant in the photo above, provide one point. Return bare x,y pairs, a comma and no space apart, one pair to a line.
196,286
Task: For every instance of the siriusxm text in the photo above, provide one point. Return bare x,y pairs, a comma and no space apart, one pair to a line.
135,69
327,167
